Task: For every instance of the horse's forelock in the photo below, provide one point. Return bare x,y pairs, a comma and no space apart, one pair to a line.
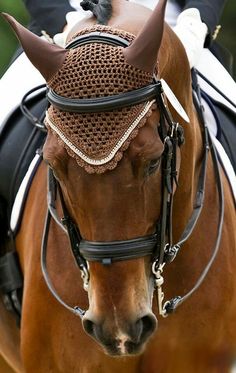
102,9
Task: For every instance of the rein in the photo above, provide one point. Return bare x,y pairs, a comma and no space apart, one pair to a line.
159,245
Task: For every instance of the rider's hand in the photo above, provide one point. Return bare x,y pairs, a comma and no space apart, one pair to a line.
192,32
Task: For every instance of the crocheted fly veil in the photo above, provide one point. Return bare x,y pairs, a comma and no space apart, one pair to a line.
97,140
95,70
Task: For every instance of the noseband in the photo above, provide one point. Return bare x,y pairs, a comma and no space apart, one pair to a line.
158,245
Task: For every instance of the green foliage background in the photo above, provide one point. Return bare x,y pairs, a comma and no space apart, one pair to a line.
8,42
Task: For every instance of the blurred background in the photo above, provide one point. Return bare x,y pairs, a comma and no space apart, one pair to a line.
8,42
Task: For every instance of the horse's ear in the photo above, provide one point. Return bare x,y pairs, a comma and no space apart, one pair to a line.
143,51
47,58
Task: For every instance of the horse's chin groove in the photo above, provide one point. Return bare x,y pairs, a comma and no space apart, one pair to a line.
134,348
131,349
114,349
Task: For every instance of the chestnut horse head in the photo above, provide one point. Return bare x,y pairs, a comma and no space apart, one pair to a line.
113,146
107,161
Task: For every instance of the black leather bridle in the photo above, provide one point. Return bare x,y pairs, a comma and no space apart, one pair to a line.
158,245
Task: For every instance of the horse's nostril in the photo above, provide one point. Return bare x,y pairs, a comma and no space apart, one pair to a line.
149,323
129,339
142,328
88,326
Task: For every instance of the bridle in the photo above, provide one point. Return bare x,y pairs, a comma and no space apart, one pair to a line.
158,245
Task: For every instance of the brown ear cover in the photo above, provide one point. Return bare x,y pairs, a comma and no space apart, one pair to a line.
47,58
142,53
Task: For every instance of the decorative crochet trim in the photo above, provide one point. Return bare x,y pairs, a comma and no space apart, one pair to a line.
97,162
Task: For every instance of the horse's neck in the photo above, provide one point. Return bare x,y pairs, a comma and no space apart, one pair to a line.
174,68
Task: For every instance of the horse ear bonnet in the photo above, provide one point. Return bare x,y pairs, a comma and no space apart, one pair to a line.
96,140
97,70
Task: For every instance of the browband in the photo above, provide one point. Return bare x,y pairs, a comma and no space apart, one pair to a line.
98,37
108,103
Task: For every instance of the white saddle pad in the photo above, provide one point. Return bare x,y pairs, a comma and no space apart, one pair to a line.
219,77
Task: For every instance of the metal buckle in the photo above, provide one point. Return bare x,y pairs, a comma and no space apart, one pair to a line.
216,32
170,253
85,277
157,271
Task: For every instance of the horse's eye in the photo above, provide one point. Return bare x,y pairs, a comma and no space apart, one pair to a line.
153,165
47,162
51,167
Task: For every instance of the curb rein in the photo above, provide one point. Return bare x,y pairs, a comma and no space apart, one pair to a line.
158,245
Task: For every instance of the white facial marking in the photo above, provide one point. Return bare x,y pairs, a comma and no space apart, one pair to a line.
122,338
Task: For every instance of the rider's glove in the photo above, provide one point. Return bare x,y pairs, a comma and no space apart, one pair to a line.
192,32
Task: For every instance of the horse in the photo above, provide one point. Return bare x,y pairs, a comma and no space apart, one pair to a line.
122,212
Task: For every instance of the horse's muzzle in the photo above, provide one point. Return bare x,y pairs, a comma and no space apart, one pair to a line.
129,340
